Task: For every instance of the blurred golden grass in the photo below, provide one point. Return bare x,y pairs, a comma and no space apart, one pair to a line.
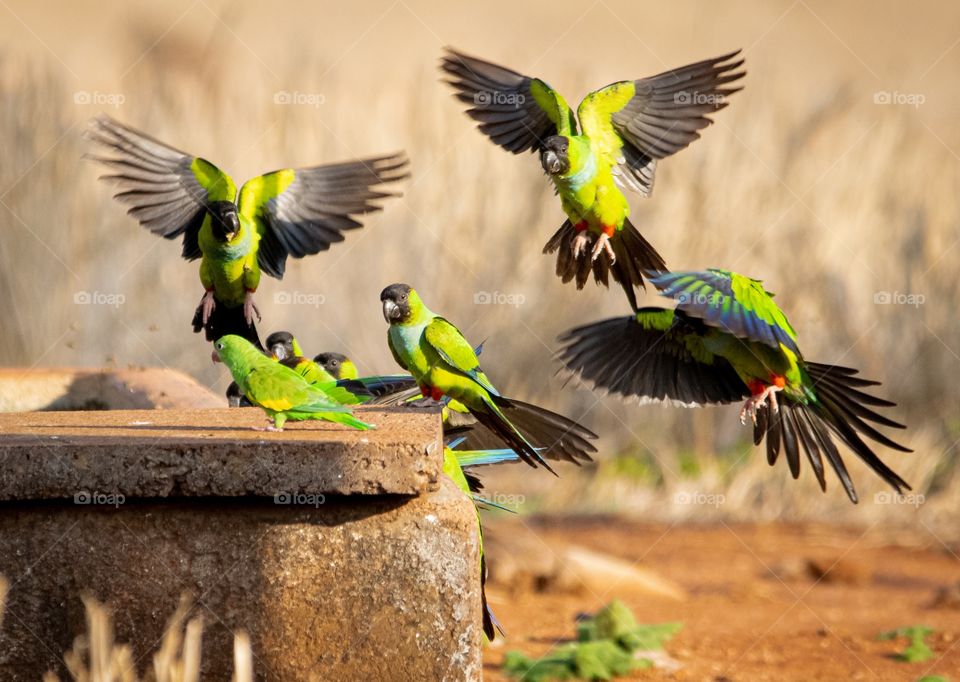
96,657
804,181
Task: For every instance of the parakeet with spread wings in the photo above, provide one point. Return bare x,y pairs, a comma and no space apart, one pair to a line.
286,213
624,129
727,340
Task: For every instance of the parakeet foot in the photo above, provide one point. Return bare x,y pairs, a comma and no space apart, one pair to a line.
207,303
603,244
580,244
755,402
249,308
269,427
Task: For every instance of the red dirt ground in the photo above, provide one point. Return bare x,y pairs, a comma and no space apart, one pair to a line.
756,609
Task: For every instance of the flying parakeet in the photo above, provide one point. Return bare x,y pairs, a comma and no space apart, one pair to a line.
289,212
625,128
726,341
443,363
280,391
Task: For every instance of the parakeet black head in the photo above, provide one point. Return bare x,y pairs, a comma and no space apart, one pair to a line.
224,220
281,345
554,157
333,363
396,303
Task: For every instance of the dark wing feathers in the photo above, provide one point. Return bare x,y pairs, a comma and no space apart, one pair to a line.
320,203
154,179
623,357
668,110
500,101
839,408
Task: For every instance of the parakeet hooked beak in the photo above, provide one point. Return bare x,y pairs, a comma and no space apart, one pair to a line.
391,311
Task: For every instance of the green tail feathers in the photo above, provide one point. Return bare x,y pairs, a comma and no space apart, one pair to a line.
347,419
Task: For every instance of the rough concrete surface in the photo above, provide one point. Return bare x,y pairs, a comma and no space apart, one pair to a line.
64,388
214,453
382,588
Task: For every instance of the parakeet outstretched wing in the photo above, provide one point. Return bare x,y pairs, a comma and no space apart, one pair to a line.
456,351
300,212
516,112
168,191
656,355
731,302
635,123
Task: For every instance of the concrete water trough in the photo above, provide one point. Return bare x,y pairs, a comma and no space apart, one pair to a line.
345,555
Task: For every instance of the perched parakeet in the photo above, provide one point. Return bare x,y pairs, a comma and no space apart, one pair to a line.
725,341
443,363
289,212
453,468
280,391
380,389
625,128
338,365
285,348
282,345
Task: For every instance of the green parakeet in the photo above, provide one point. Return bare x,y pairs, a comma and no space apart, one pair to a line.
289,212
624,129
454,463
727,340
443,363
281,392
285,347
338,365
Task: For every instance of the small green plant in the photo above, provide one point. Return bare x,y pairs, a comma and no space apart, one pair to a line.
609,644
918,650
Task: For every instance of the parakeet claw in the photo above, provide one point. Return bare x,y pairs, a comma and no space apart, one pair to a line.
208,304
755,402
603,244
249,308
580,243
269,427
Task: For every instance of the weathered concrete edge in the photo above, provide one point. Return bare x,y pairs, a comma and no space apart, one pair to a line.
37,467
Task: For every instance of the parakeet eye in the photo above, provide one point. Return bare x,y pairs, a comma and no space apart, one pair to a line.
219,346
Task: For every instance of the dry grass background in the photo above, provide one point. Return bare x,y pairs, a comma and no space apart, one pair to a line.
96,656
805,181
